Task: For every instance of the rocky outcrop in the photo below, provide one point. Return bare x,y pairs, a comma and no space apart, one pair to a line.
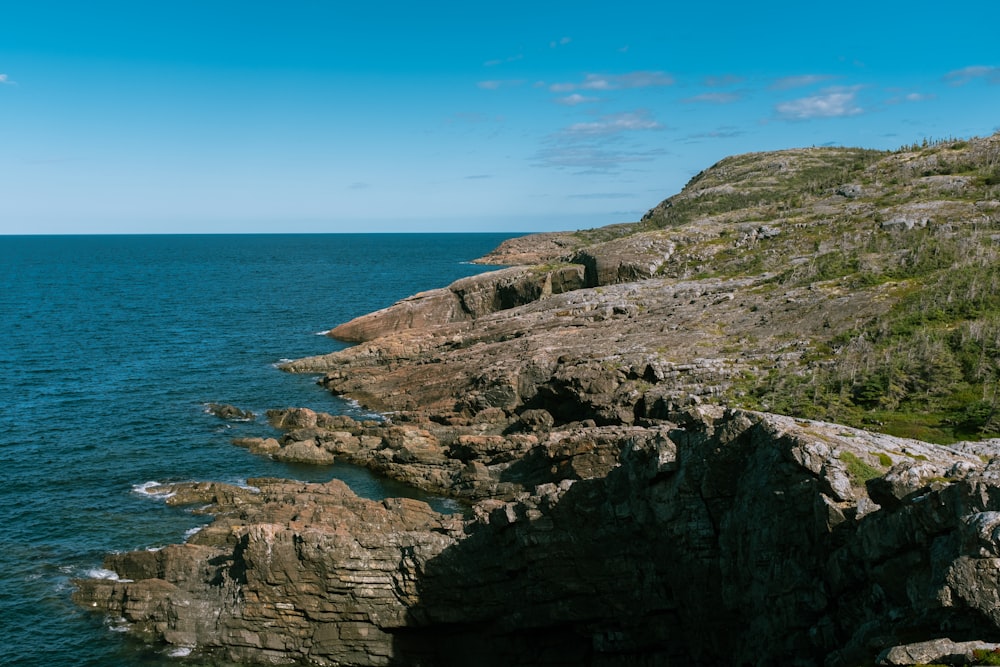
230,412
464,301
616,512
610,353
628,259
719,538
534,249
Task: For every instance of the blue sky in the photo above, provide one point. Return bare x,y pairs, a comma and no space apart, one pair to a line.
323,116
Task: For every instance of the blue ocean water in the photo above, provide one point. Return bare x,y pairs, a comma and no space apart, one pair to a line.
112,346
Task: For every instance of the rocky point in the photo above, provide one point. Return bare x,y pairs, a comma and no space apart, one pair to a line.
620,506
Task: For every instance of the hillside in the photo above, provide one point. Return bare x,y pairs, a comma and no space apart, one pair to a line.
604,412
914,233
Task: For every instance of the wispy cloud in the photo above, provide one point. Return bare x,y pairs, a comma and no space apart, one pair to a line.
600,146
501,61
724,80
830,103
5,79
799,81
615,123
576,98
901,98
725,132
960,77
495,84
559,42
359,185
638,79
714,98
476,177
593,159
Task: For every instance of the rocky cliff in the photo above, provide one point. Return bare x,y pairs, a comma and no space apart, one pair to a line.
624,507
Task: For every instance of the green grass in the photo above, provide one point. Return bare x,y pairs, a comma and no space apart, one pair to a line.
859,471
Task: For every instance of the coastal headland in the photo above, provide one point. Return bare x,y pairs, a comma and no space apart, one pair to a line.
655,430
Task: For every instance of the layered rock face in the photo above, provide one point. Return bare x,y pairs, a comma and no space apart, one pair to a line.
716,538
617,511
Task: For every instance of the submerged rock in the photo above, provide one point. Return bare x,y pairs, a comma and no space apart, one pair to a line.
230,412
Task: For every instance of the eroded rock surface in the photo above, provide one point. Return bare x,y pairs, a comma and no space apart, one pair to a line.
719,538
618,512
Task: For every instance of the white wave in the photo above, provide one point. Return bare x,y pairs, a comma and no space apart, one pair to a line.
148,489
180,652
450,505
117,624
361,412
107,575
242,483
191,532
324,333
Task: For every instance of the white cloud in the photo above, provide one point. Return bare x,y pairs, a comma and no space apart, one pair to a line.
641,79
900,98
638,79
714,98
599,146
561,42
592,159
6,79
495,84
725,132
576,98
724,80
501,61
615,123
799,81
830,103
963,76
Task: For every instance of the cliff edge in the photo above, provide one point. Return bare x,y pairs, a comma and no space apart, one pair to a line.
607,410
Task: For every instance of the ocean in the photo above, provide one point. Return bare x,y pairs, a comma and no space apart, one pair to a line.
112,347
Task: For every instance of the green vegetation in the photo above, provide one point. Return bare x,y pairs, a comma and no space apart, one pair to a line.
986,657
928,367
918,228
859,471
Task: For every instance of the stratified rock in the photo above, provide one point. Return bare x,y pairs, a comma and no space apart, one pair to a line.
622,515
750,528
937,651
464,300
302,572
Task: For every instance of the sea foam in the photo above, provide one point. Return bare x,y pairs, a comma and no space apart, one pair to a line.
108,575
149,489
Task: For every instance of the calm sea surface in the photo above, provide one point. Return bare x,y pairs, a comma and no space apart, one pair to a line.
111,347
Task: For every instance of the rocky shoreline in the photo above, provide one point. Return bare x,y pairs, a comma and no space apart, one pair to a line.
619,513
